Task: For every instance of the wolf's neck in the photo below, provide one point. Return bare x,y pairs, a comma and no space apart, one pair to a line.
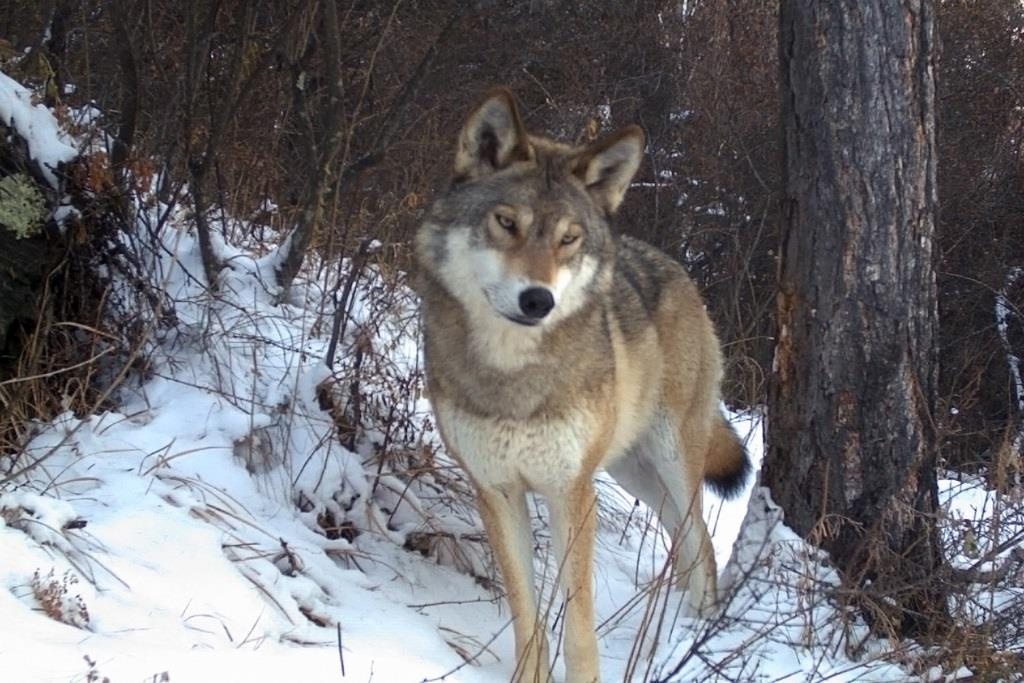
503,345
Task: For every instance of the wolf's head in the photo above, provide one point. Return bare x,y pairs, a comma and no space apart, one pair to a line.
522,235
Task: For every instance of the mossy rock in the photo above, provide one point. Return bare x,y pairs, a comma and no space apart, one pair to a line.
22,205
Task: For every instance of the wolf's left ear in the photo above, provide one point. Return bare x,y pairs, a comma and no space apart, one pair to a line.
607,166
492,137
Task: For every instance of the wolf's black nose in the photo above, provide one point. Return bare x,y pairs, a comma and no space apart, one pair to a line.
536,302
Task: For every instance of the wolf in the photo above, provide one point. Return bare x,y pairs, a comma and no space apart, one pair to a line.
554,347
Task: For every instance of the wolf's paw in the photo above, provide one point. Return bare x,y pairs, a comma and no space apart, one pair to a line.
593,678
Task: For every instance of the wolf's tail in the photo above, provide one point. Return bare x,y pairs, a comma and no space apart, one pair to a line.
727,465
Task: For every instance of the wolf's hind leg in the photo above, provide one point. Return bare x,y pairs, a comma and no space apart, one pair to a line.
636,473
657,471
684,478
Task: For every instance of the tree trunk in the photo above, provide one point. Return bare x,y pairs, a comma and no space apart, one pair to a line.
851,444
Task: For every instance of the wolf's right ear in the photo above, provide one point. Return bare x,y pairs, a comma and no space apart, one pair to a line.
607,166
492,138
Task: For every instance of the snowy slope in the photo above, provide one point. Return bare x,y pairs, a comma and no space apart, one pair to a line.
202,556
213,528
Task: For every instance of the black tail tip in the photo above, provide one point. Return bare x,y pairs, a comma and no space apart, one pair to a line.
729,485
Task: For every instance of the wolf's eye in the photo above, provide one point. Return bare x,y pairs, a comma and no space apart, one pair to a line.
505,222
568,238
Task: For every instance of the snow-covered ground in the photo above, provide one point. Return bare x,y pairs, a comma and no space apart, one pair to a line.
212,527
191,564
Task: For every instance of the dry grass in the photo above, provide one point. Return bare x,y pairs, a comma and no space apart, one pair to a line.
58,599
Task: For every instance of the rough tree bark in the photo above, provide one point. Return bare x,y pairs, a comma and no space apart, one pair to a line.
851,454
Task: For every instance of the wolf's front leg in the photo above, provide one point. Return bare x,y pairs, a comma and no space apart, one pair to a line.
507,522
573,524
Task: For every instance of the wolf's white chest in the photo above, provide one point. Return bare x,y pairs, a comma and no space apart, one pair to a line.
546,454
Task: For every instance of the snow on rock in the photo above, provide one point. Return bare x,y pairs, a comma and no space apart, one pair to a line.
40,517
48,145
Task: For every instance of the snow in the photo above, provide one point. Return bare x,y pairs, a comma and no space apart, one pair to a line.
47,144
202,530
984,525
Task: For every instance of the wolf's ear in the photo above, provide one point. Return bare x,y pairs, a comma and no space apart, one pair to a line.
607,166
492,137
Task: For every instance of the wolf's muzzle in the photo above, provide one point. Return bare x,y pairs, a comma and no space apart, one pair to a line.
536,302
